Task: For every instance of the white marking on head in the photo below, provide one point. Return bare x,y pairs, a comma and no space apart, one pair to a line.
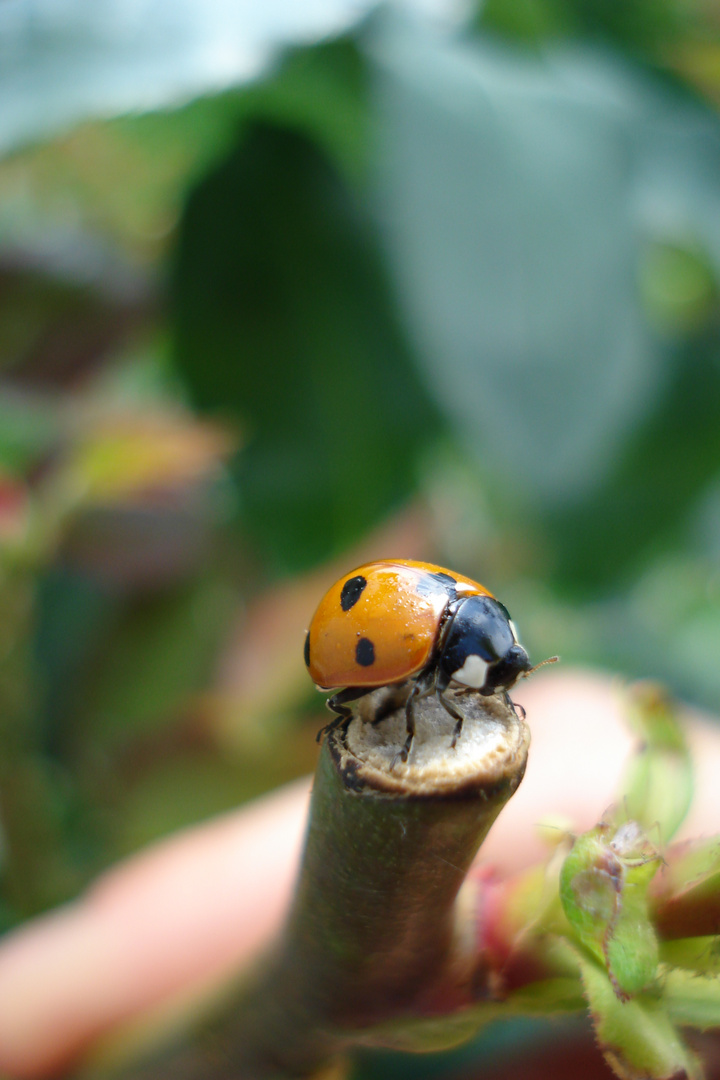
513,630
473,672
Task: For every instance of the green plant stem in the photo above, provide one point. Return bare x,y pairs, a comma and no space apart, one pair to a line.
33,872
372,933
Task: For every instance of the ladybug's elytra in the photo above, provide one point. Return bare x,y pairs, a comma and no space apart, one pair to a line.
390,621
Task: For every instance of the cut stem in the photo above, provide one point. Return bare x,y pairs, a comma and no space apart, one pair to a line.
372,932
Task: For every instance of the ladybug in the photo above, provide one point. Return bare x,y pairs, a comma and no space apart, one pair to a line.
395,620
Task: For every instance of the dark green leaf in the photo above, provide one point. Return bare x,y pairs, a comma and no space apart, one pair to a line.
283,318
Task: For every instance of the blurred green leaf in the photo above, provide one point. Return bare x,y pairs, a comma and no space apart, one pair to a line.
507,188
424,1034
53,329
323,92
644,26
29,429
180,789
160,655
637,1037
64,65
692,1000
657,786
526,199
529,21
283,318
61,202
678,286
687,901
699,955
75,619
646,503
126,457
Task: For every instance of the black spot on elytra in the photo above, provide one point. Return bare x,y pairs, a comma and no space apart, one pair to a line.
351,591
306,650
365,652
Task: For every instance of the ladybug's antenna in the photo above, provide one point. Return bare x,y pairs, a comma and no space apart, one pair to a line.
550,660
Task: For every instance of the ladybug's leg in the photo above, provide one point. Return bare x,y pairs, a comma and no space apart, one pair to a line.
423,686
410,721
441,686
514,705
337,704
455,713
336,723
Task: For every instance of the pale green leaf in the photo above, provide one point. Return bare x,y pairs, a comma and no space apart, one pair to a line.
603,888
657,788
637,1038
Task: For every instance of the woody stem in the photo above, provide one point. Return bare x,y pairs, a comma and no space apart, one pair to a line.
371,935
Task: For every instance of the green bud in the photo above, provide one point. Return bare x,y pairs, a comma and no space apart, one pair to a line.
603,889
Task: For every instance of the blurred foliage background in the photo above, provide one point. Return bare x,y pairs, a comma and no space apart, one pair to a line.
285,289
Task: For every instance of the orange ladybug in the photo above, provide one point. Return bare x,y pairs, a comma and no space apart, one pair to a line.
390,621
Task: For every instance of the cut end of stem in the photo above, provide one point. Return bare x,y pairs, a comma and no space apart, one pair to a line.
490,752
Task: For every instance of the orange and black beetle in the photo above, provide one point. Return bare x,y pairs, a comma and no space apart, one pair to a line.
387,622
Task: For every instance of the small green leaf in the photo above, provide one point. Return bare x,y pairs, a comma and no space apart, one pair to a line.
631,951
431,1034
603,888
692,1000
637,1038
695,865
547,997
696,955
658,785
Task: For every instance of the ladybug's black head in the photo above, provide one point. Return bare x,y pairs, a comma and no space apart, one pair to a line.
481,649
505,672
